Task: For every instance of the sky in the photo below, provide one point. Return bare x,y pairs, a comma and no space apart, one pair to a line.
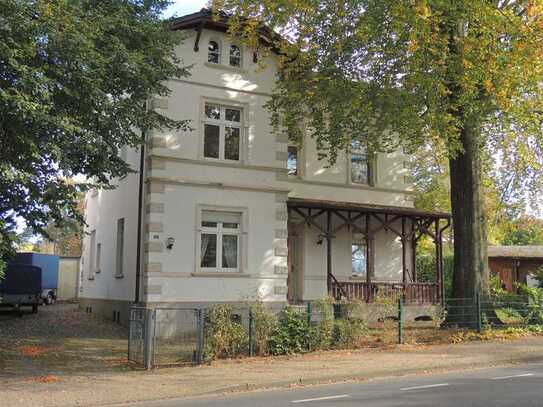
182,7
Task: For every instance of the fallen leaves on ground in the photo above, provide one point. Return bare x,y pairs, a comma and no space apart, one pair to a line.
47,379
33,351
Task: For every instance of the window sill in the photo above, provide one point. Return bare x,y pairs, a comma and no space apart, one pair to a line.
119,275
97,271
220,274
91,277
358,278
225,67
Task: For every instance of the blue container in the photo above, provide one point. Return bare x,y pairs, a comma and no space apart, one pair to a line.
48,264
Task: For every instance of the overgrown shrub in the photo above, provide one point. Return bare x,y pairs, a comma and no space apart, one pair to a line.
348,332
225,335
292,334
323,330
265,321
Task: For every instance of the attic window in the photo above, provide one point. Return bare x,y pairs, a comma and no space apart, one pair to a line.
213,52
235,56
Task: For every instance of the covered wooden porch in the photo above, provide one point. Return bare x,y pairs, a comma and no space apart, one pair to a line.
408,225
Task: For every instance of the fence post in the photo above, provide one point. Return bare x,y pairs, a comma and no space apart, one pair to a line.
200,335
309,311
149,338
251,333
401,302
478,310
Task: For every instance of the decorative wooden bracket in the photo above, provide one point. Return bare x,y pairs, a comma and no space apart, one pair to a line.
197,40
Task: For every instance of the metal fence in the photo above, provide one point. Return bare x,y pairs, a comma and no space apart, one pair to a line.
166,336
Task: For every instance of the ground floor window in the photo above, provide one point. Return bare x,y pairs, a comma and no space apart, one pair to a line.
220,241
359,255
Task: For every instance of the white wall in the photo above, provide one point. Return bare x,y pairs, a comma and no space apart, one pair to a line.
103,209
178,179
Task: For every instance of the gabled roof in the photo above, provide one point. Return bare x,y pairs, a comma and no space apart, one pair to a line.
525,252
205,18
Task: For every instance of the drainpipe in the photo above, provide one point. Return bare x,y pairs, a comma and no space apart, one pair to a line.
140,217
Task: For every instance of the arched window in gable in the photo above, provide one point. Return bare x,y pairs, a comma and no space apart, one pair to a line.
235,56
213,52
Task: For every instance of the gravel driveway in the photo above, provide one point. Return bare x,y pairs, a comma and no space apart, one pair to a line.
58,340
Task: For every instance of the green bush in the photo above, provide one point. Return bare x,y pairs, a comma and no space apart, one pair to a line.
323,330
293,333
265,322
225,336
348,332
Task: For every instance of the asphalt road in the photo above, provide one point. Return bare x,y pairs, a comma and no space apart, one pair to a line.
518,386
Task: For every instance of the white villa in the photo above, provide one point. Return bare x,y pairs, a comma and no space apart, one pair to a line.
232,212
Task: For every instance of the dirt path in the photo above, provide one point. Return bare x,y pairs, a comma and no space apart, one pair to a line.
59,340
65,357
114,384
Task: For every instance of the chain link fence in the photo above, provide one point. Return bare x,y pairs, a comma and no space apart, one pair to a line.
167,336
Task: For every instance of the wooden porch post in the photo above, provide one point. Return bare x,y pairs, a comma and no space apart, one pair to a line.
369,264
404,260
439,268
329,250
413,252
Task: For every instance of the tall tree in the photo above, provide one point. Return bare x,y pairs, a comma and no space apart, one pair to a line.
462,74
75,77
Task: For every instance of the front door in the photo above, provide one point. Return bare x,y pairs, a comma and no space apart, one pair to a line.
295,269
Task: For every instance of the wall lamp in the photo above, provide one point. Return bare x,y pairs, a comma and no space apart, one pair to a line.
169,243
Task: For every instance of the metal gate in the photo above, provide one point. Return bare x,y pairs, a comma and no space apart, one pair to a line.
136,335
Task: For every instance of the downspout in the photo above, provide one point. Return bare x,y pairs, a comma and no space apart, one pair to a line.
140,217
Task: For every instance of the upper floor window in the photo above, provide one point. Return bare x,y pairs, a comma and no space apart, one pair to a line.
213,52
292,160
222,132
360,163
235,56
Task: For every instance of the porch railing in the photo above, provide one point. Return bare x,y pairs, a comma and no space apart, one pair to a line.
415,293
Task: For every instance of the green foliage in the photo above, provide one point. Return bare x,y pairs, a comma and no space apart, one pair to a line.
225,336
348,332
323,330
538,276
74,81
293,333
265,321
462,78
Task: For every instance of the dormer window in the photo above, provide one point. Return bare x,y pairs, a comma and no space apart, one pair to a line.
235,56
213,52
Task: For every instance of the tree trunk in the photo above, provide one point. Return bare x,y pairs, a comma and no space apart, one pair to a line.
470,229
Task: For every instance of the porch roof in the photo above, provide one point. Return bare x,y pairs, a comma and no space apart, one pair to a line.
367,208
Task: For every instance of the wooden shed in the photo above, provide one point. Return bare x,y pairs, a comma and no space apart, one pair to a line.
515,264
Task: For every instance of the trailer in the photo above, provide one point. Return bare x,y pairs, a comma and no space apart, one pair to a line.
21,286
49,265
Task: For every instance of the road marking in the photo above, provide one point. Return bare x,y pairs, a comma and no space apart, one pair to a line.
428,386
512,376
339,396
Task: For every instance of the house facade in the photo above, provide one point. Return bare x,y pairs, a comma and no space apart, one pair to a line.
232,212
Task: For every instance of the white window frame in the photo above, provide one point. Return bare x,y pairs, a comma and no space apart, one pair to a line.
242,240
298,158
98,258
92,254
219,44
370,165
120,243
222,123
240,55
358,238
